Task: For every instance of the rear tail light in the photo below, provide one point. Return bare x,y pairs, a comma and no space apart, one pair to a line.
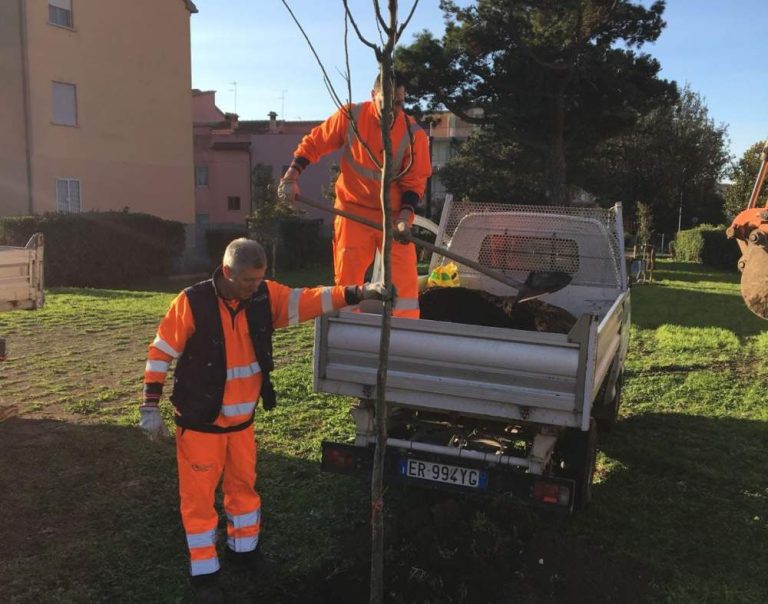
337,459
551,493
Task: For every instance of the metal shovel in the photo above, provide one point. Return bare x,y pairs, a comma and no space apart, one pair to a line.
537,284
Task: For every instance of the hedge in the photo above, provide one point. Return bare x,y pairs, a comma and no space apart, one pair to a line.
298,243
99,249
707,244
301,245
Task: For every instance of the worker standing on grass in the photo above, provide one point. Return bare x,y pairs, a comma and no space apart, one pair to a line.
220,332
358,188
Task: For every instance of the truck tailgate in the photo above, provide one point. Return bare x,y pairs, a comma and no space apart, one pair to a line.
473,370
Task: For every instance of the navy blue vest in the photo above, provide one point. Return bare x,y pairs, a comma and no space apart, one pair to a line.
201,371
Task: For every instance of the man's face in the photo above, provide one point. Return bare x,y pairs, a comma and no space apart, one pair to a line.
245,283
397,100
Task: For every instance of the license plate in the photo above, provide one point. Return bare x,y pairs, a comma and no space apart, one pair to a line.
440,472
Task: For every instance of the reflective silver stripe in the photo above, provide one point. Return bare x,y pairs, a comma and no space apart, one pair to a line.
243,371
355,113
204,567
293,306
373,174
243,544
245,520
161,366
161,344
201,539
400,153
326,299
238,409
407,304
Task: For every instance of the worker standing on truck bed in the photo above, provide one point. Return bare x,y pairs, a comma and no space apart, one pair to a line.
358,188
220,332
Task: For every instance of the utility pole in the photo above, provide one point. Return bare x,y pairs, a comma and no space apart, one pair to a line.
680,212
282,103
234,89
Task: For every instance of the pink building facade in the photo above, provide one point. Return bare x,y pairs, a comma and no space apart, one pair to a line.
225,152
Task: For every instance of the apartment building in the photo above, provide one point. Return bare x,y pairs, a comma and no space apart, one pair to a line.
95,111
227,149
446,133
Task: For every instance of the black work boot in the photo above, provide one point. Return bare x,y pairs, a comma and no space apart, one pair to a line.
206,589
245,560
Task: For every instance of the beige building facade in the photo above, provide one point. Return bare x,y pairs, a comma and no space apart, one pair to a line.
95,112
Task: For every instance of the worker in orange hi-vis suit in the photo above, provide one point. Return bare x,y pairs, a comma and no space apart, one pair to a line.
358,188
220,333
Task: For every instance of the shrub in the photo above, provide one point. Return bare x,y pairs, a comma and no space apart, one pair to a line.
718,250
300,245
99,249
688,245
706,244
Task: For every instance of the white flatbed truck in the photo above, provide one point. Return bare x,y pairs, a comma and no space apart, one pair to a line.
487,409
21,278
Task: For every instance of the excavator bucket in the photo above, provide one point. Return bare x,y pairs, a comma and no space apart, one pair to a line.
754,279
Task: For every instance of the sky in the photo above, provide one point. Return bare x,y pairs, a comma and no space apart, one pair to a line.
254,56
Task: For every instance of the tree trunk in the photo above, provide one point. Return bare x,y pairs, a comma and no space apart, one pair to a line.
380,408
555,171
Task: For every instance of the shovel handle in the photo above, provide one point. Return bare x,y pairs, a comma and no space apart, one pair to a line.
493,274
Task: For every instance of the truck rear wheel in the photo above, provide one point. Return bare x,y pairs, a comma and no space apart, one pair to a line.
574,458
608,414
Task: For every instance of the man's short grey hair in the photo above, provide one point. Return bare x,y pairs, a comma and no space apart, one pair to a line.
244,253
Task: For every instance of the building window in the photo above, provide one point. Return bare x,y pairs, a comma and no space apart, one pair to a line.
233,203
201,176
64,104
68,195
60,13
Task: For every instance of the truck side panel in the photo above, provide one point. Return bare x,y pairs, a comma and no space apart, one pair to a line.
21,276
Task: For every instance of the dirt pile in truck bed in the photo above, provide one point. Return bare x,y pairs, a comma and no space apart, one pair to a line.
476,307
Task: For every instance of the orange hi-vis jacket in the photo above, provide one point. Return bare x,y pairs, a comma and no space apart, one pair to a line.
243,384
359,182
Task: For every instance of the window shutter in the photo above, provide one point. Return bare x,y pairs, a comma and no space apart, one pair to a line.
64,104
68,195
62,196
62,4
74,195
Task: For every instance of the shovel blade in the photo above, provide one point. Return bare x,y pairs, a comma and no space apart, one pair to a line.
754,280
540,283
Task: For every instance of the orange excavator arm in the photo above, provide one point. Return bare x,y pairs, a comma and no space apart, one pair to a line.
750,229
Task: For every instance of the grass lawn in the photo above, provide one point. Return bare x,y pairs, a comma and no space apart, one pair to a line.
680,514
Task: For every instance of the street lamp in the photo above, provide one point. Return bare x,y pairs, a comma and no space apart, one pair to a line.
680,213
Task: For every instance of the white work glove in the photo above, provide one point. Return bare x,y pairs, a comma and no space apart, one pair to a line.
402,231
288,189
376,291
152,422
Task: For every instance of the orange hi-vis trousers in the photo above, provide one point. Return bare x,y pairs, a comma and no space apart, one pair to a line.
354,248
202,459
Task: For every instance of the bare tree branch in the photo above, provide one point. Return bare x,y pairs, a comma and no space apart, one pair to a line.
375,48
332,91
391,30
379,17
381,32
346,58
326,79
407,20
